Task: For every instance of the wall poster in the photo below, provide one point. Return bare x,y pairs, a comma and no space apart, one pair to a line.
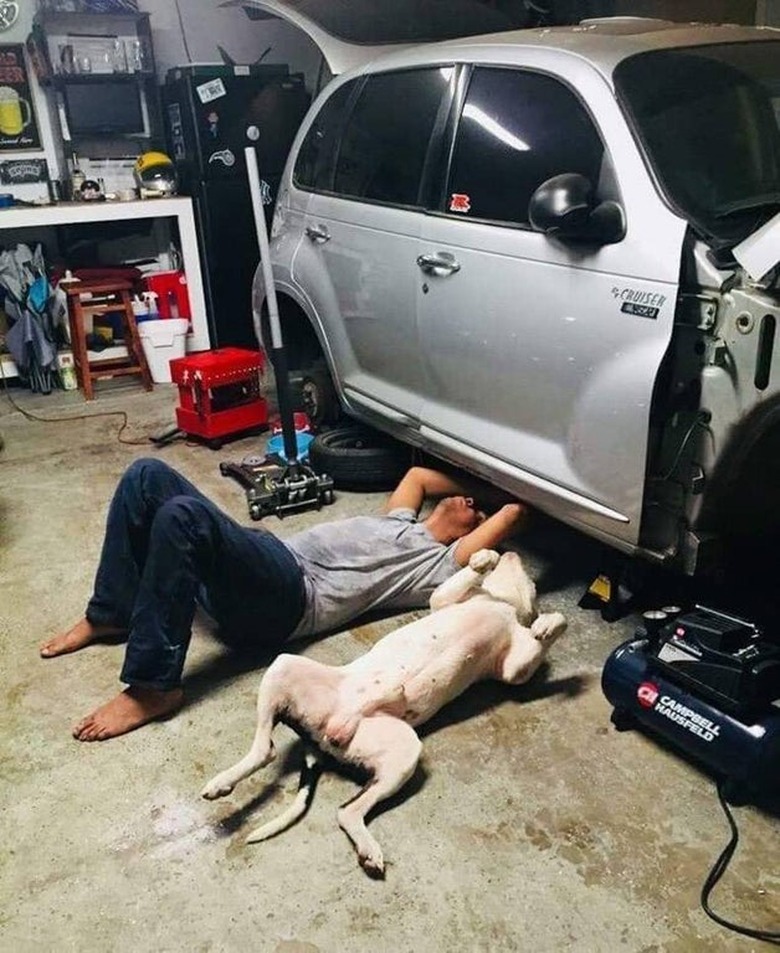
23,171
18,125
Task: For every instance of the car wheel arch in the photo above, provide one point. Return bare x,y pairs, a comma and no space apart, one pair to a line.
300,334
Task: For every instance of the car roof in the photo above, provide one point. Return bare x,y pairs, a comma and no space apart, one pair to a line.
350,36
603,42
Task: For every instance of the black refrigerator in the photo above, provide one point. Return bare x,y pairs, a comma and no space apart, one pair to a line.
212,113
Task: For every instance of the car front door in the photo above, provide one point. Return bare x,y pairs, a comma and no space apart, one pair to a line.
540,355
362,230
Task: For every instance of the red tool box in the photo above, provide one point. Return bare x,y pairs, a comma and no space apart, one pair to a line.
219,393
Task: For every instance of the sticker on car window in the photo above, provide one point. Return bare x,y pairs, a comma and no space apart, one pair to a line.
460,202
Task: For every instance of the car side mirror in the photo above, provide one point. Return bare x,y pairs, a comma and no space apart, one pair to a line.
564,207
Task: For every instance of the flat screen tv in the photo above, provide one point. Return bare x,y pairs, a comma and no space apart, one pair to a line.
103,107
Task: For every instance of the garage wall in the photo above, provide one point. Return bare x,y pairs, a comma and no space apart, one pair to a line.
193,32
46,119
768,12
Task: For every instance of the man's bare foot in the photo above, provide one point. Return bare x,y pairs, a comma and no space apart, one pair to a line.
82,633
133,707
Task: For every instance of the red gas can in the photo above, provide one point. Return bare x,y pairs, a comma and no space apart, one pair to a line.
171,290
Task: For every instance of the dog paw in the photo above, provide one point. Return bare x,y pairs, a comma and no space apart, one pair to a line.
217,787
373,864
484,560
547,627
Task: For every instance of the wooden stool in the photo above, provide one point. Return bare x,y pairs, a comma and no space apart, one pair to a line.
108,296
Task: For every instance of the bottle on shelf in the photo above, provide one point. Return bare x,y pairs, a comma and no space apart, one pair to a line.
150,297
77,178
140,309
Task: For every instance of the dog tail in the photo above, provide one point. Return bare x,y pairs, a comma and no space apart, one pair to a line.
310,772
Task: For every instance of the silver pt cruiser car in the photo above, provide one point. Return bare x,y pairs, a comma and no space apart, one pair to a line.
551,257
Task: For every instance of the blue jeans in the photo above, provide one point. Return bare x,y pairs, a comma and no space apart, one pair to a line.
166,546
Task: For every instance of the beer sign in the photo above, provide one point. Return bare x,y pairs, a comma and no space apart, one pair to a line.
18,125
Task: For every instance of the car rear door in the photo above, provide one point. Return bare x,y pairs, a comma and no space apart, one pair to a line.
349,35
540,356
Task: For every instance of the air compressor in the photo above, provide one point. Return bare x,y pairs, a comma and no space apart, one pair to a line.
708,683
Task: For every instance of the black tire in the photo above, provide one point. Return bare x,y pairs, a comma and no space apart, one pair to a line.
318,396
359,458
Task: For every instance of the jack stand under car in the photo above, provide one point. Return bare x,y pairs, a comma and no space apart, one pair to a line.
275,485
709,684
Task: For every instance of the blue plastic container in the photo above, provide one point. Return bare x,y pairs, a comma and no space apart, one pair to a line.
302,441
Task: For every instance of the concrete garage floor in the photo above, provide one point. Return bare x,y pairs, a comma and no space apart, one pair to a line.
533,824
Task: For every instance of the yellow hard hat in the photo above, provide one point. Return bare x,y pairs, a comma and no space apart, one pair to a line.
155,174
148,159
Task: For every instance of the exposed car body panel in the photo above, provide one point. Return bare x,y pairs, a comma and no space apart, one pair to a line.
760,252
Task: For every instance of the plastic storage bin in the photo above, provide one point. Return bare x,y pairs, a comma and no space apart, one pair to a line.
162,341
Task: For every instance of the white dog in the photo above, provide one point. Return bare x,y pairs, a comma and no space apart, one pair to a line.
483,625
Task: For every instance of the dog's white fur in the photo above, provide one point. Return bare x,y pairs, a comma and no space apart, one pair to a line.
484,624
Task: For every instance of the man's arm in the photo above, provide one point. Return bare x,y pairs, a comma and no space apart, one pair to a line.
489,534
421,483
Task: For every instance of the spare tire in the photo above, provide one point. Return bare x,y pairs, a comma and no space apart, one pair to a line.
357,457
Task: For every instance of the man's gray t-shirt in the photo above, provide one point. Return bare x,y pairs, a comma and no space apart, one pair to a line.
367,562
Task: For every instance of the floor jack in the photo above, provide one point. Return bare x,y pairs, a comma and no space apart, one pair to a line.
276,484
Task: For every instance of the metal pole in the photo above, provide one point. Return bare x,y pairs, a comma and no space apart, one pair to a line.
279,355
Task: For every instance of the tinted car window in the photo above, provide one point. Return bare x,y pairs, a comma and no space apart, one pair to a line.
516,130
709,120
385,142
315,162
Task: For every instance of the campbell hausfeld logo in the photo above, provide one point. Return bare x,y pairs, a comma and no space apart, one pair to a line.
649,696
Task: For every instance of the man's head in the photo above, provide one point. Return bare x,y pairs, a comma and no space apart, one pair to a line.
454,517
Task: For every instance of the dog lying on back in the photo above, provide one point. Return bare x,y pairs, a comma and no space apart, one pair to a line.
483,625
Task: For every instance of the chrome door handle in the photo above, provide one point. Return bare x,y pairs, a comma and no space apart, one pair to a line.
442,264
318,233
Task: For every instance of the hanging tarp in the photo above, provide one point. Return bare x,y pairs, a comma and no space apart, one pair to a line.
27,296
